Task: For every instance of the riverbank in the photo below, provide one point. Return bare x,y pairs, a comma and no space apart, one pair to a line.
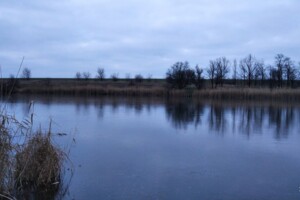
154,87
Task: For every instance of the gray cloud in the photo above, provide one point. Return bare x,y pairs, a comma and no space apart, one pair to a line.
59,38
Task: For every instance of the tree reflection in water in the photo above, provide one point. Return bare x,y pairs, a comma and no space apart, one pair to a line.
221,117
181,114
234,118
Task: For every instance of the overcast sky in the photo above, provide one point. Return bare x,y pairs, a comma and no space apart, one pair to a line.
60,37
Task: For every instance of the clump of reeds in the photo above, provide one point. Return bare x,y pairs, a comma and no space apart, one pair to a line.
30,162
39,163
6,162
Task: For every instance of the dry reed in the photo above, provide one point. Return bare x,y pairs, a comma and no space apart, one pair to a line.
155,89
29,161
38,163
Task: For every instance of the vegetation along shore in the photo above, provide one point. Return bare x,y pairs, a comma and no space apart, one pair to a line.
250,78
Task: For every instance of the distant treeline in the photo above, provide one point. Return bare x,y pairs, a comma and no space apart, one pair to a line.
247,72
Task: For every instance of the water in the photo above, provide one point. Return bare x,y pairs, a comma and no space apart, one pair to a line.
163,149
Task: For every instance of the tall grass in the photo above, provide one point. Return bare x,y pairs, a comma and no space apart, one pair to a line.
29,160
30,163
155,88
39,163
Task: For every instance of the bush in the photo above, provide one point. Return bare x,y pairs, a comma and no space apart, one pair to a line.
138,78
39,163
180,75
114,77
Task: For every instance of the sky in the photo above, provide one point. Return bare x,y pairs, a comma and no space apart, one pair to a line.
61,37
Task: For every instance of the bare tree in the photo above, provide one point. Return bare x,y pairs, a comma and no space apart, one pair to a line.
234,76
78,75
199,77
290,71
211,72
285,70
279,63
248,68
115,76
298,72
100,74
272,76
26,73
260,71
86,75
222,70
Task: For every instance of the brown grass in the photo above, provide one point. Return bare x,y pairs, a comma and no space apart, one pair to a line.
153,88
38,163
29,161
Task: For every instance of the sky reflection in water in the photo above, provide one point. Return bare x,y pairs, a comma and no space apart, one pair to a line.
162,149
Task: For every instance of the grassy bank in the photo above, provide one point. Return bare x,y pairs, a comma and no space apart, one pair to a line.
155,87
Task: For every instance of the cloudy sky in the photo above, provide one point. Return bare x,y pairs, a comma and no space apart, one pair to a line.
60,37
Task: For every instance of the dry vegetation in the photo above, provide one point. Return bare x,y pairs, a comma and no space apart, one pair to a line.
39,162
30,162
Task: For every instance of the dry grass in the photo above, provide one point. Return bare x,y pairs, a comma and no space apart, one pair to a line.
38,163
6,161
29,161
154,88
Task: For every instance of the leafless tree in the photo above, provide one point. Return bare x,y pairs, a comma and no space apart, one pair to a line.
86,75
279,63
211,72
234,76
115,76
260,71
272,76
248,68
100,74
26,73
199,77
222,70
290,71
78,75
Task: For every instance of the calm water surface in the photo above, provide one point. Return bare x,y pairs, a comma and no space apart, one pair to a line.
171,149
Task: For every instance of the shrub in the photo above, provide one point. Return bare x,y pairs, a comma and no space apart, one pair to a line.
114,77
180,75
138,78
39,163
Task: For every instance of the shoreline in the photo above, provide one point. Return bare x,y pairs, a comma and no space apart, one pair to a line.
153,88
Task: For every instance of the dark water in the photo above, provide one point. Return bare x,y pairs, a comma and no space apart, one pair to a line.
171,149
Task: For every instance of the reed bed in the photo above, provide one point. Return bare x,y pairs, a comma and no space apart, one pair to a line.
29,161
154,88
98,91
38,163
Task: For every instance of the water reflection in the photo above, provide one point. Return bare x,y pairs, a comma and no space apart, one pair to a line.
183,113
234,118
217,119
139,148
222,118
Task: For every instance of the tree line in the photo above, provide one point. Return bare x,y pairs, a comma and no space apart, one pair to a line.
250,71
